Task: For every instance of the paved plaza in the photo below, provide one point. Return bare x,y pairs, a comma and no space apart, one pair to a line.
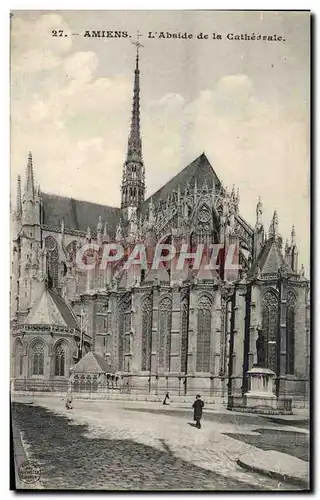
137,445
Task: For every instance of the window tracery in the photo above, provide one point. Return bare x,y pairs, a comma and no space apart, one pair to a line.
146,334
204,335
165,313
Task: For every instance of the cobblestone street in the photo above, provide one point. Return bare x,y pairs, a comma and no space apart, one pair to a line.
135,445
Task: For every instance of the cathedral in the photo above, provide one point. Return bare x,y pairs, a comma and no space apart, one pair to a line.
181,331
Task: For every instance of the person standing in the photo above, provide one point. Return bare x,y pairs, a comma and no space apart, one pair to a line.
197,410
69,401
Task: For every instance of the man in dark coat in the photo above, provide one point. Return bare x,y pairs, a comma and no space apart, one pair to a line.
166,399
197,410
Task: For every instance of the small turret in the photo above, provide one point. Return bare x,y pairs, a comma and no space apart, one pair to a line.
99,231
293,236
29,190
19,199
151,212
105,233
258,237
119,234
294,251
273,229
259,213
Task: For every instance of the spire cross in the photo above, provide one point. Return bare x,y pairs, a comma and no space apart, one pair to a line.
137,43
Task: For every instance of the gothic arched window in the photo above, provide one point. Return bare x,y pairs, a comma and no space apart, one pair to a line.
37,359
269,328
59,360
146,327
165,311
124,327
71,251
290,334
52,261
184,335
204,335
18,359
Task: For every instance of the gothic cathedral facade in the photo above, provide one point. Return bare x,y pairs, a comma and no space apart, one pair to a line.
161,330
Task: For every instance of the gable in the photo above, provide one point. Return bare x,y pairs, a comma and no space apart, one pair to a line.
200,170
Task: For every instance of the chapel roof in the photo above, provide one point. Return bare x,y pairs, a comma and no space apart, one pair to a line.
270,259
52,309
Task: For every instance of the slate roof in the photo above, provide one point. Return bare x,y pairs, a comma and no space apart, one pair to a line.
65,310
200,170
92,362
52,309
269,259
77,214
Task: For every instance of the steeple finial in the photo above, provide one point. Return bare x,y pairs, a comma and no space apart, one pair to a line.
29,183
133,181
19,203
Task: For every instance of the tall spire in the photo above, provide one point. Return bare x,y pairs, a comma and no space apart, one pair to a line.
133,182
19,204
29,182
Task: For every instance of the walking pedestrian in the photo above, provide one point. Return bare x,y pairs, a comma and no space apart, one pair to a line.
197,410
166,399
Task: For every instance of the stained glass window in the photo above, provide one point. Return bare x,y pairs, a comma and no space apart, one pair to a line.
184,335
204,335
37,359
146,334
290,320
269,328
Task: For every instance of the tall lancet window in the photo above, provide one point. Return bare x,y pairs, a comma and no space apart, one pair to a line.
269,328
18,359
184,335
165,313
52,261
204,335
37,359
124,328
291,312
146,327
59,360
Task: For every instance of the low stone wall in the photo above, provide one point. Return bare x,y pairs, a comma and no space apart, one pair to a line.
116,396
260,405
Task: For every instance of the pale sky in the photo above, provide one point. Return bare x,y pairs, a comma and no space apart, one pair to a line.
244,103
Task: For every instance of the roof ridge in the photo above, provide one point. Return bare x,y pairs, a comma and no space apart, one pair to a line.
77,199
